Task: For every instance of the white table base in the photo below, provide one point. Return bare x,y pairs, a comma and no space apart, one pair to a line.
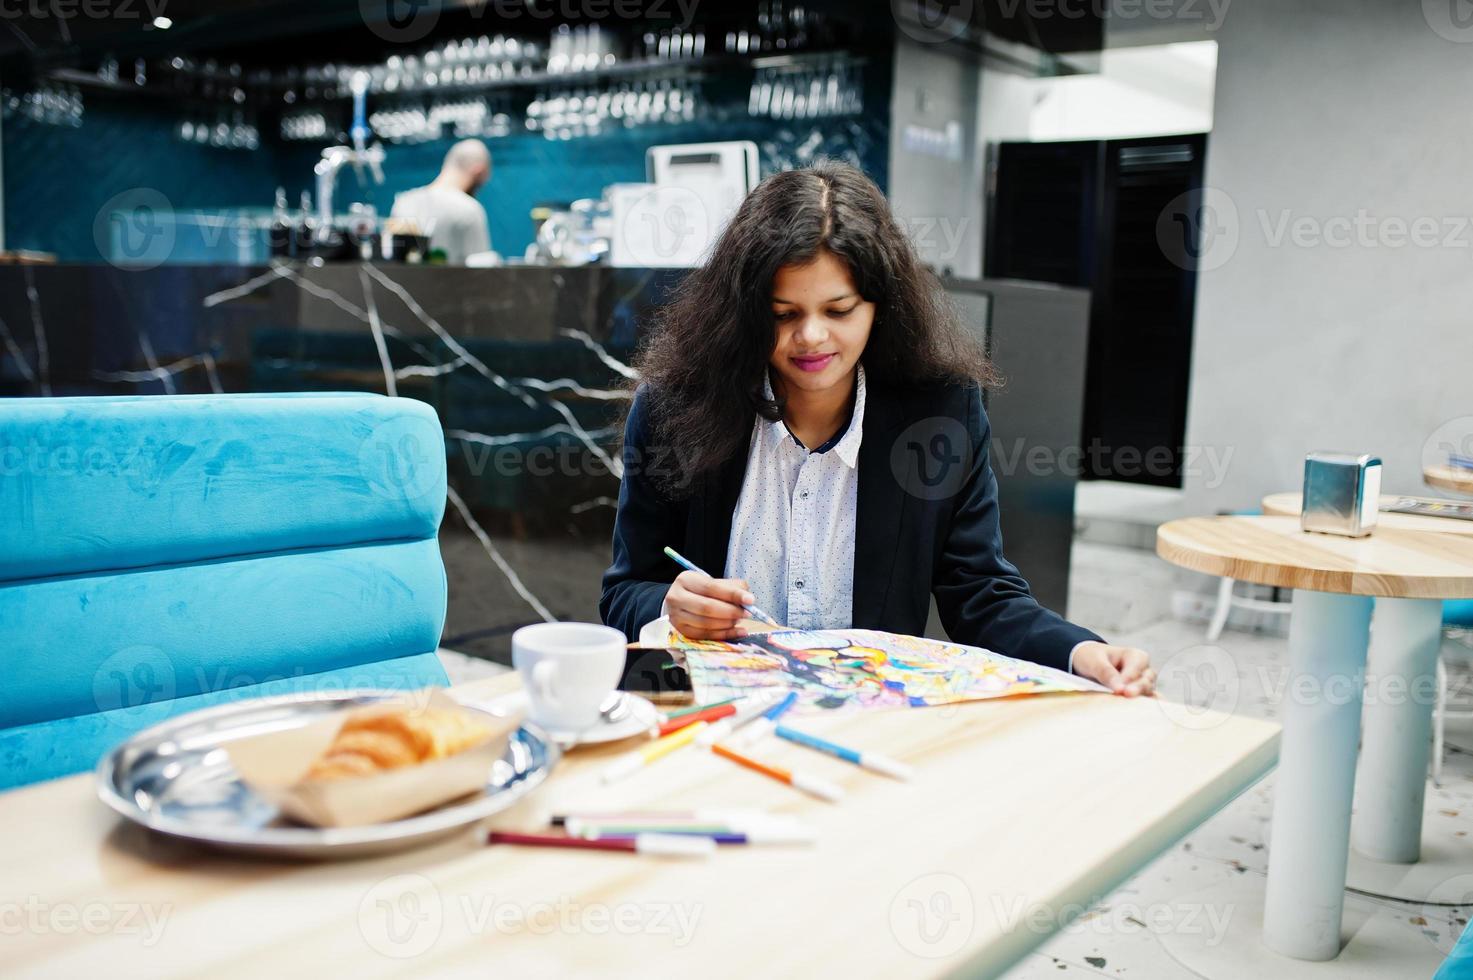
1401,677
1379,942
1310,837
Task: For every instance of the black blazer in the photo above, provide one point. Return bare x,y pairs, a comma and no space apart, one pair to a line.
926,525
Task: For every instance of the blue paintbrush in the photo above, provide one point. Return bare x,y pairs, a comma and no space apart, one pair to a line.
754,611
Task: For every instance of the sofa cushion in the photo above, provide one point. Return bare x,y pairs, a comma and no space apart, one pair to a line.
81,644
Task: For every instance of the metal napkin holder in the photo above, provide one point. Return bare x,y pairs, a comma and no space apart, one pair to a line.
1342,493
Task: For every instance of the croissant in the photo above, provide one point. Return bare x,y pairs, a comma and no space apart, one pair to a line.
374,742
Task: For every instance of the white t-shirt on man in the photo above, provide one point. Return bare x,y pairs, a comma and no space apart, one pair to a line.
455,221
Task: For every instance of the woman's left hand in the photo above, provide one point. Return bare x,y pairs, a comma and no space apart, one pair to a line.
1124,670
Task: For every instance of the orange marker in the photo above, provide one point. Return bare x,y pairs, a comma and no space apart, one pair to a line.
808,784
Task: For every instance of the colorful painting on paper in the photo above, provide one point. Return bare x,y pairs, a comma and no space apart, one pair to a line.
864,668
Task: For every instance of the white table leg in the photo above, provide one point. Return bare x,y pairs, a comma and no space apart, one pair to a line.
1310,840
1402,667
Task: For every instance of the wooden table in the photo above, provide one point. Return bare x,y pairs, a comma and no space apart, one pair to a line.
1334,579
1290,503
1024,813
1451,478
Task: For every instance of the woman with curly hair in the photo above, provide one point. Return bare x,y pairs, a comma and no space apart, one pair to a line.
810,423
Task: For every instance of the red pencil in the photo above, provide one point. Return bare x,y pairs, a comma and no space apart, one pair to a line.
705,714
668,845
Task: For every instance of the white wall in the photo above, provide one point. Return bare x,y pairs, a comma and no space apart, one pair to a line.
936,187
1161,90
1326,111
1156,90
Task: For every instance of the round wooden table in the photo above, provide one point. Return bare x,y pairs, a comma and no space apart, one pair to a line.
1409,573
1289,504
1449,478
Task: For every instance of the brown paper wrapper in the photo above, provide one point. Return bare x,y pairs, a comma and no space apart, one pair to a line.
275,766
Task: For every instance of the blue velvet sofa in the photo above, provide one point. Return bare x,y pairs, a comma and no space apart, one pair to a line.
161,554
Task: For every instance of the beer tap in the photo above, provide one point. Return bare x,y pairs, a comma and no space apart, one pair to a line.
359,155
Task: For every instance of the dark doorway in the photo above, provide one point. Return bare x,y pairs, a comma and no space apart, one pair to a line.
1090,214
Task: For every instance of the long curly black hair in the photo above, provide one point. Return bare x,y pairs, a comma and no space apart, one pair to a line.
706,356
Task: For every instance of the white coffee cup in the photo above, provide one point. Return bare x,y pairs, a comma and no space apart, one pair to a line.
567,669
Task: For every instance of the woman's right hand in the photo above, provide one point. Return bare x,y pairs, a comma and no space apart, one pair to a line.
705,608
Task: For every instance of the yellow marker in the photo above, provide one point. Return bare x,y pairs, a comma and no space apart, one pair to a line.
656,750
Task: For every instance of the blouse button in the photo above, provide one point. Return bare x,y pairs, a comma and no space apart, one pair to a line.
799,583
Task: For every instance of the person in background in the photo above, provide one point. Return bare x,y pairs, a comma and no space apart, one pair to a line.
446,209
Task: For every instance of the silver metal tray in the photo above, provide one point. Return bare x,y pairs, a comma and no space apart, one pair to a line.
176,778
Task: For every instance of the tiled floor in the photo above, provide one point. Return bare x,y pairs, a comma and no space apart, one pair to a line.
1205,893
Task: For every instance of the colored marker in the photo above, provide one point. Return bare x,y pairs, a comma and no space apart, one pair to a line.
664,845
705,714
762,829
753,610
763,726
672,715
702,815
748,712
867,760
808,784
715,836
657,749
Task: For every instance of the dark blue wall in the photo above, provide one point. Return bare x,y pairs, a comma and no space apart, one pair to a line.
58,180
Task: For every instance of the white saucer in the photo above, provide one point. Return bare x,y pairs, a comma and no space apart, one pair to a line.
642,717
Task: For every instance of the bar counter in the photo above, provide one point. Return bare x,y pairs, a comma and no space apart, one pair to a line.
446,335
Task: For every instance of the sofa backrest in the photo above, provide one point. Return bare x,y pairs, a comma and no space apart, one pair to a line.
159,553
